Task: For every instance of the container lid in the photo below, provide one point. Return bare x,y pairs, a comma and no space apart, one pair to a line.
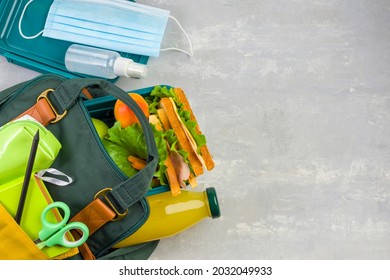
213,202
42,54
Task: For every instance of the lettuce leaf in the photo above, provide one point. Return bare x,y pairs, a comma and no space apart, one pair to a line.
121,143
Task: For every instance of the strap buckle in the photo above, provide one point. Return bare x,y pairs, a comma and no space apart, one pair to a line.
58,116
119,216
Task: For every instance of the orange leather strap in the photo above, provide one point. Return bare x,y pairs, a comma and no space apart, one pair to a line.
41,111
84,248
94,215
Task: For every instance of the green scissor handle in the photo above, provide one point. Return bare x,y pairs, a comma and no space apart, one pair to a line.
55,234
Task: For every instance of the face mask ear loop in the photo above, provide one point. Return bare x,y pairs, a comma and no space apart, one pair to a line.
20,24
191,53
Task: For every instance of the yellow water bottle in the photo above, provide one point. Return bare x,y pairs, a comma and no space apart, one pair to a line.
170,215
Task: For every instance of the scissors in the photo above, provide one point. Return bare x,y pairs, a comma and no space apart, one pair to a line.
54,234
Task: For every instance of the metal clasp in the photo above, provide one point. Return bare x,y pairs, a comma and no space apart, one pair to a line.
58,116
119,216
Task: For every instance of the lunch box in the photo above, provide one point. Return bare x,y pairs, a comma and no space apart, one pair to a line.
42,54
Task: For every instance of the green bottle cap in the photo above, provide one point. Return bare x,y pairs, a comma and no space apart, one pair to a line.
213,202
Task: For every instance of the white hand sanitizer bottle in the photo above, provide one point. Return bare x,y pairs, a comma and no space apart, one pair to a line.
101,63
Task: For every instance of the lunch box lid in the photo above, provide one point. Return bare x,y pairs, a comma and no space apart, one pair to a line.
42,54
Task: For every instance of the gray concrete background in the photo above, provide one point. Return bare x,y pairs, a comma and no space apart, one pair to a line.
293,97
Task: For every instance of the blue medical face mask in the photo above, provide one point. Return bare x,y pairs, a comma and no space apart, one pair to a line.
118,25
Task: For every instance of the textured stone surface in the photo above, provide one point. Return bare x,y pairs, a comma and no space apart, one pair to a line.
293,97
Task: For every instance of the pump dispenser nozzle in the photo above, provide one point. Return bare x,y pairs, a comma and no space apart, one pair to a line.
126,67
102,63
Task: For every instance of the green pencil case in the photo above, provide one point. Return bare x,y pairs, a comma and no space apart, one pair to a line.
15,145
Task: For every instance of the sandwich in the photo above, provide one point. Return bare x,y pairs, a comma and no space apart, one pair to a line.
182,148
188,154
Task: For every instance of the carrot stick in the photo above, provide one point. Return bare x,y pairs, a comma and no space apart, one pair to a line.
136,163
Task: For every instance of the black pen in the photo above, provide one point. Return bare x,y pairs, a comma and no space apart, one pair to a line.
27,177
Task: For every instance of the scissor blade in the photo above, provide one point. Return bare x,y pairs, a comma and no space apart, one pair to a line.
36,241
40,244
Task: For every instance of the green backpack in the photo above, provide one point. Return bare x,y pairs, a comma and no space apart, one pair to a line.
83,158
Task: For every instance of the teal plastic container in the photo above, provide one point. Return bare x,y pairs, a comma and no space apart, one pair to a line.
44,55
